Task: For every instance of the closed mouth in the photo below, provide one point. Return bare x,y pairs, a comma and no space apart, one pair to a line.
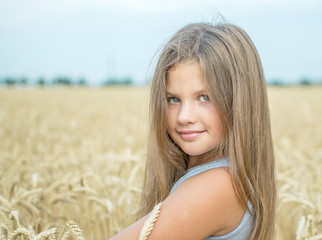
189,135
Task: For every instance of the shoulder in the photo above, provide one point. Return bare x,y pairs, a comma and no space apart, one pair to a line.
203,205
212,179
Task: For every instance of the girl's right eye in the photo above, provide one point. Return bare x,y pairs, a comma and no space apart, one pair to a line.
173,100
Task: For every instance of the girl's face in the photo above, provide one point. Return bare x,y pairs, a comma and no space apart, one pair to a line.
192,120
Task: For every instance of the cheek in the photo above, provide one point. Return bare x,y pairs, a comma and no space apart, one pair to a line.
170,120
170,125
215,122
220,128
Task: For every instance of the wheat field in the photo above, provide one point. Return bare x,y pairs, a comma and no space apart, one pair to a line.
72,160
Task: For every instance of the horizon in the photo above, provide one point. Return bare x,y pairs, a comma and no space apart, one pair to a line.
102,39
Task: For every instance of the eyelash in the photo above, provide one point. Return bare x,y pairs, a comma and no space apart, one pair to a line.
206,96
176,100
170,100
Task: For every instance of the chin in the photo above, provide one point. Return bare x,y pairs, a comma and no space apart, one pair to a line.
196,153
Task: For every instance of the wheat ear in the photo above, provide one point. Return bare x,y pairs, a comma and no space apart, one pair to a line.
48,234
15,216
316,237
75,230
149,223
21,231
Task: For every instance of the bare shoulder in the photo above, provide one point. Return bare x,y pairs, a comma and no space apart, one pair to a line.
203,205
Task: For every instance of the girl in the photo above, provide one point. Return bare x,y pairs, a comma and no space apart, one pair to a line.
210,155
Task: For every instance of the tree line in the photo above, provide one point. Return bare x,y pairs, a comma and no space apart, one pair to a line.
62,81
112,81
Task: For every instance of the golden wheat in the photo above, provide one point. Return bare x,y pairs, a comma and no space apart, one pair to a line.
78,155
47,234
149,223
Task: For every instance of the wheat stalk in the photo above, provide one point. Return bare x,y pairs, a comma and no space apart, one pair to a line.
26,194
75,230
65,235
5,202
2,237
300,232
14,216
316,237
48,234
67,172
29,206
4,230
106,203
21,231
4,218
149,223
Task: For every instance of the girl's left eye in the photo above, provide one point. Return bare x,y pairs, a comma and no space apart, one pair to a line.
173,100
204,98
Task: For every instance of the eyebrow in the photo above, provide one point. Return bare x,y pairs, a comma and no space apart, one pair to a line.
203,91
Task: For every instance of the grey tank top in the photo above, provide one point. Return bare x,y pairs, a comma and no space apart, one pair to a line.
244,229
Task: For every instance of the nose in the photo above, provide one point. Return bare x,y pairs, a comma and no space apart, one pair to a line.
187,113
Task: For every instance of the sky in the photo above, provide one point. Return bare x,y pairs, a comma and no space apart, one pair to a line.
100,39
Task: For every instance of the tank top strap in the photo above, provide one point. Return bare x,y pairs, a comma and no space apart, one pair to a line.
222,162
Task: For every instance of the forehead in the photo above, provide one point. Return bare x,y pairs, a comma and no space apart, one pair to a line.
185,74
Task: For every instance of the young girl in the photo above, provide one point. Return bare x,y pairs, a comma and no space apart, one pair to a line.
210,155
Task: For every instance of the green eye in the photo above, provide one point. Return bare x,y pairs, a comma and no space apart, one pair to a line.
204,98
173,100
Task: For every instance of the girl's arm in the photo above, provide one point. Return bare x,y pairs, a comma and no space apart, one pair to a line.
131,232
203,205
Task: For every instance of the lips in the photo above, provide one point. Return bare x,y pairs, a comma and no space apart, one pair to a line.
190,135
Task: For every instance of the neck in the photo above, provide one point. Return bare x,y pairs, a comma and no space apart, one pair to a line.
203,158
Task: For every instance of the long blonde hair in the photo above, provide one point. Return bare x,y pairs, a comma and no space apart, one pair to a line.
235,82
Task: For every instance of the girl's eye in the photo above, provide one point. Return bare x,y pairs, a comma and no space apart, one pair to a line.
204,98
173,100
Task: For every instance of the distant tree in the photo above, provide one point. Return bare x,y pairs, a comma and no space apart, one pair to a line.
127,81
62,81
10,81
319,81
41,82
110,81
23,81
118,81
82,82
305,81
275,82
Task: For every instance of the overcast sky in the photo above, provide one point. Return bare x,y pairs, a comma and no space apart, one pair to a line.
97,39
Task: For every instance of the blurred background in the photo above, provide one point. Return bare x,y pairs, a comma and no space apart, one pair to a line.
77,154
106,42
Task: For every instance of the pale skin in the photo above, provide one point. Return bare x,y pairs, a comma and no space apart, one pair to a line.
205,204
